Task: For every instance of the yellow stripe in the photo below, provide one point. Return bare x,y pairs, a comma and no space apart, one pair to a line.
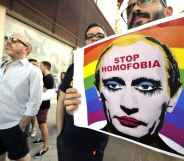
179,56
90,69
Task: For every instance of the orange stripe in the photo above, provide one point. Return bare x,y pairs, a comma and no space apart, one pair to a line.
92,53
171,35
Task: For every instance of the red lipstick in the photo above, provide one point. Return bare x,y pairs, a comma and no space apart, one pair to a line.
129,121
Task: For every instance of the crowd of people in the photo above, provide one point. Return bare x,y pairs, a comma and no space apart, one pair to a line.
25,82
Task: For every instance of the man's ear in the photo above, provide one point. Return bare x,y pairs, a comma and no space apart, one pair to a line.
173,100
168,11
25,50
28,49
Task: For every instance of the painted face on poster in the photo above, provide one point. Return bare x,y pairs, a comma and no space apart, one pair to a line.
134,85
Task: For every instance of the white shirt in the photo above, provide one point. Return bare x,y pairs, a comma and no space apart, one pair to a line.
49,94
21,88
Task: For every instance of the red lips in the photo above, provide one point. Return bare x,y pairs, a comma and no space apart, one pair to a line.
129,121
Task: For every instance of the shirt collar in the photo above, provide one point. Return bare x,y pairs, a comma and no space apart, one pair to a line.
3,63
23,61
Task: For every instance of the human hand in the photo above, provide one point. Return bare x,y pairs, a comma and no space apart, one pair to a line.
72,100
24,122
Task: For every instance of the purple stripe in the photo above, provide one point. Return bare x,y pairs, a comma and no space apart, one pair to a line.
174,133
95,116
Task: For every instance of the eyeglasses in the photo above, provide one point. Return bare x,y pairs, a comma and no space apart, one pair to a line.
141,3
16,40
97,36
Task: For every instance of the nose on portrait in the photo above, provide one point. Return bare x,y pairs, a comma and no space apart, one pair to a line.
129,110
128,97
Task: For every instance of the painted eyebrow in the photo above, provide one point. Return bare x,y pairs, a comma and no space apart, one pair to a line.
116,79
156,83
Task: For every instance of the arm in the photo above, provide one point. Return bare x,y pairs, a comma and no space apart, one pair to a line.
34,102
69,100
60,112
25,121
65,98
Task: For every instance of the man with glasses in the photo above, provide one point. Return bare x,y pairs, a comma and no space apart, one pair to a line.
21,87
74,143
139,12
94,33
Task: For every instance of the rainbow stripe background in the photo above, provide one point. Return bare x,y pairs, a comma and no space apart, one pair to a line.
170,33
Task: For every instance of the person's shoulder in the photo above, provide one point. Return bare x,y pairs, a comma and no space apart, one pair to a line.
69,73
34,69
50,76
71,66
66,83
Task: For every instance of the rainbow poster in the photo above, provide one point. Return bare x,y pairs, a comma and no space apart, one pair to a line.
107,91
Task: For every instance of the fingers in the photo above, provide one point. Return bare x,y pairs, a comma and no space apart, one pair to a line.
72,93
72,100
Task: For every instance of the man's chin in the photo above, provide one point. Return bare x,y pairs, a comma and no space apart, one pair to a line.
137,24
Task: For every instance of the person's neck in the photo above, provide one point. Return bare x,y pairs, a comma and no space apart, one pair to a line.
17,58
47,72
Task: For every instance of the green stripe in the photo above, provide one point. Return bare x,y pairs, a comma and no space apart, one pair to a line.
89,82
182,76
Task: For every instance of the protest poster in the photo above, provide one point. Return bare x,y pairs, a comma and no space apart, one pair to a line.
132,86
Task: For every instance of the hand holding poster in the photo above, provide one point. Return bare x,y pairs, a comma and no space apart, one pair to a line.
134,82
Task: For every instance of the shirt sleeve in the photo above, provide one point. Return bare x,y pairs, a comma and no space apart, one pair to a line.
35,92
66,83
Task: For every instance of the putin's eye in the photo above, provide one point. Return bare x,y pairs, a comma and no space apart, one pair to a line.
147,86
114,83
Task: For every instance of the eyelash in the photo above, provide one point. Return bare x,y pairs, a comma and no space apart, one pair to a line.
108,84
147,88
150,92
